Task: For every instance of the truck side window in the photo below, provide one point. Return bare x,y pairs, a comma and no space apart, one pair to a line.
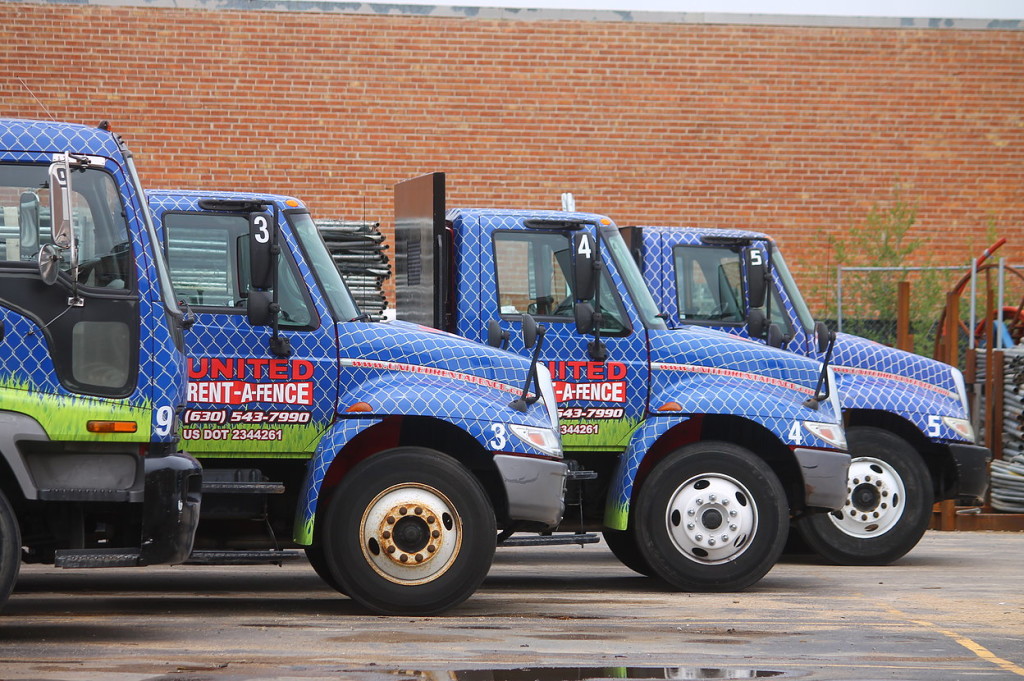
208,257
104,249
534,277
709,285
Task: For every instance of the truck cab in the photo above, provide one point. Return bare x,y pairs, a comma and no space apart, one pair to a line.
701,445
392,453
907,416
92,367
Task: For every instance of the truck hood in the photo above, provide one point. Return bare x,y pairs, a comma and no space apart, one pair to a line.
422,349
867,362
741,365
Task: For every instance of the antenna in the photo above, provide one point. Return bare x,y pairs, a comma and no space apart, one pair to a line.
41,105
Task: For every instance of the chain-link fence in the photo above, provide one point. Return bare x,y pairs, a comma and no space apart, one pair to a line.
866,302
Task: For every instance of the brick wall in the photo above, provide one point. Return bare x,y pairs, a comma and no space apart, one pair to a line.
797,131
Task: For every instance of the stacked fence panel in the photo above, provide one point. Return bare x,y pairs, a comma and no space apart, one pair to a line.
358,250
1007,484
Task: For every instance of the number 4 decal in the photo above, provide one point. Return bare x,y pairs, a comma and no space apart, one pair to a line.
796,433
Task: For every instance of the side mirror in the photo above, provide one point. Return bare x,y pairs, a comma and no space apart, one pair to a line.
822,334
757,277
776,339
757,324
61,229
496,336
529,331
584,273
584,315
28,222
262,251
259,306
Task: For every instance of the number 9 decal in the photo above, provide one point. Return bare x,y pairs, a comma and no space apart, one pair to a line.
164,421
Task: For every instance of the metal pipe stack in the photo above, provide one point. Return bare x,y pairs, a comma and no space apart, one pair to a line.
357,249
1007,481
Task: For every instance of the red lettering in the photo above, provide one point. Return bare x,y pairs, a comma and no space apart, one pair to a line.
197,367
258,367
301,369
278,370
616,371
222,368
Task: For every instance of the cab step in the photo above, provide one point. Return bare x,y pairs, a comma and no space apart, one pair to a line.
562,539
262,557
97,558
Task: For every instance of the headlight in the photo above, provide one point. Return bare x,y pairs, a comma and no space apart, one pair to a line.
544,439
962,427
961,391
833,393
831,433
547,393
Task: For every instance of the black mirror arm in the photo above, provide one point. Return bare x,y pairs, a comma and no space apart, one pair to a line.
523,401
819,396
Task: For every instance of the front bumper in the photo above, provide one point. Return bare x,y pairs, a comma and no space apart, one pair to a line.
971,470
535,488
825,474
170,509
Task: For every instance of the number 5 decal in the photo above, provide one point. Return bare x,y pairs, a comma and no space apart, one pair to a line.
498,439
934,425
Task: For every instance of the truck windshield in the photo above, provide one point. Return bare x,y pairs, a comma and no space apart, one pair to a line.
779,263
162,271
633,279
343,306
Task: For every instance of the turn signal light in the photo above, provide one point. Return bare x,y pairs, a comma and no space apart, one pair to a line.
359,407
671,406
112,426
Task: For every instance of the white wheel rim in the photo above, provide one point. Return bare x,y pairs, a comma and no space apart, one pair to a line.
711,519
410,534
875,499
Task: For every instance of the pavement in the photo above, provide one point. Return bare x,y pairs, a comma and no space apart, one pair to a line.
951,609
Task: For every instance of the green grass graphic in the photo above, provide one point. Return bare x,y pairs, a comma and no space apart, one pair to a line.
612,435
64,417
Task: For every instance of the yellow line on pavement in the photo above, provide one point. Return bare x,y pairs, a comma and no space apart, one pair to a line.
976,648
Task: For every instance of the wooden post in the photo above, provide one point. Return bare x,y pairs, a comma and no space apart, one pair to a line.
904,339
950,355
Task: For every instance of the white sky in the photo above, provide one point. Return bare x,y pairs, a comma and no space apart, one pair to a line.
924,9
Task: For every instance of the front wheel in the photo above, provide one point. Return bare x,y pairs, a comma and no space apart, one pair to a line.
711,517
409,531
888,503
10,549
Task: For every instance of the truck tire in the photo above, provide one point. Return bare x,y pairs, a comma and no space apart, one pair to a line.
10,549
888,505
711,516
409,531
315,556
622,544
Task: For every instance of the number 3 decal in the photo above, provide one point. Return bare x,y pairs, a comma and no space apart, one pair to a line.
262,225
498,439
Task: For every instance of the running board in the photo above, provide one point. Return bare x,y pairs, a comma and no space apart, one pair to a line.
269,556
97,558
552,540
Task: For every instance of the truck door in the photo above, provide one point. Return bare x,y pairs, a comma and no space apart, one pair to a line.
242,397
601,400
77,335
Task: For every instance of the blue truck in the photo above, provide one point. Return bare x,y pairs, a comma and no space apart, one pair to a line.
92,367
701,446
907,416
392,453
